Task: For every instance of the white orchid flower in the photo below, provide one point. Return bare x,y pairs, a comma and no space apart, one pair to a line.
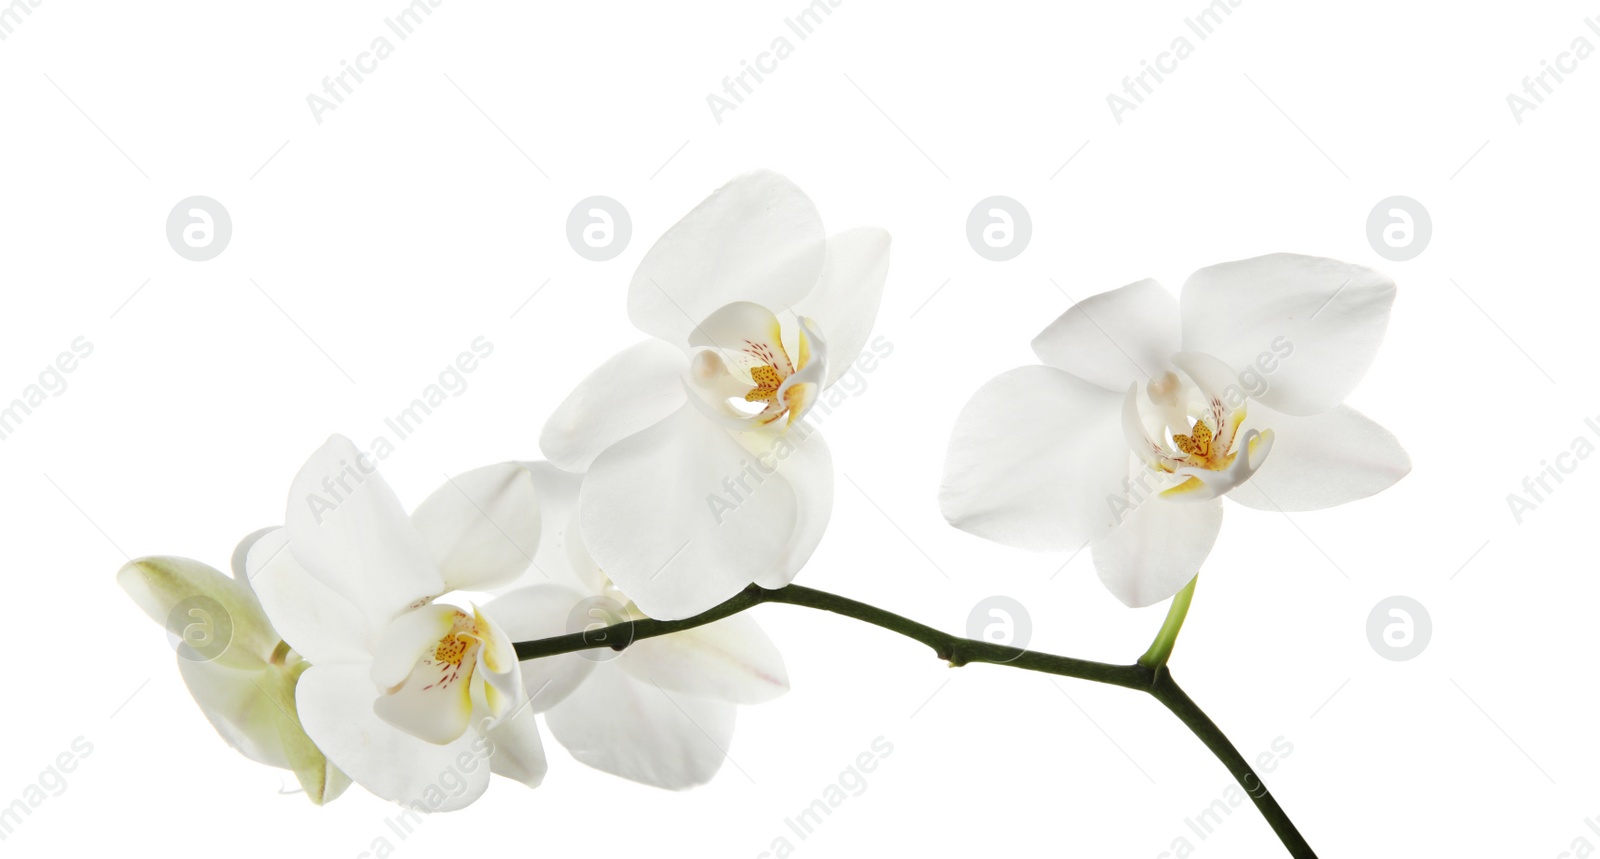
1149,410
238,669
660,712
701,475
418,700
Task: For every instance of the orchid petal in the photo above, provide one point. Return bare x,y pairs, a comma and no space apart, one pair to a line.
319,624
641,732
680,514
560,558
518,751
1115,338
1157,549
1322,461
543,611
241,553
801,457
408,639
482,526
1307,327
846,299
335,706
632,390
758,238
1034,460
730,660
799,391
348,530
497,666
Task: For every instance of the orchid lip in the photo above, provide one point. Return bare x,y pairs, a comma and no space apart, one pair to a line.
1203,484
1181,427
759,371
449,669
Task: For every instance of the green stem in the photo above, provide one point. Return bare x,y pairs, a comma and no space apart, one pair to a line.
1161,649
1166,690
951,648
1154,680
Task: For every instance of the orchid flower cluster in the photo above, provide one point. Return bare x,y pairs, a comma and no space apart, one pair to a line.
363,643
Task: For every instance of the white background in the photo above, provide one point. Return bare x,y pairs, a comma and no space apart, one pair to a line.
413,219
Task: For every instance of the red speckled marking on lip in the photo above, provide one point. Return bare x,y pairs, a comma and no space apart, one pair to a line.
452,650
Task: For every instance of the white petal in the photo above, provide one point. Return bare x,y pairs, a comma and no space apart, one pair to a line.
758,238
1034,460
322,781
483,526
186,596
349,531
591,579
242,552
1304,329
632,390
1115,338
845,301
319,624
518,752
681,514
496,678
641,732
335,704
1321,461
731,660
804,460
543,611
800,390
1157,549
560,558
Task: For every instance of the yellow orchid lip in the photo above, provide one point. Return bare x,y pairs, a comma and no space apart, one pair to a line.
741,358
436,662
1204,483
1182,429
